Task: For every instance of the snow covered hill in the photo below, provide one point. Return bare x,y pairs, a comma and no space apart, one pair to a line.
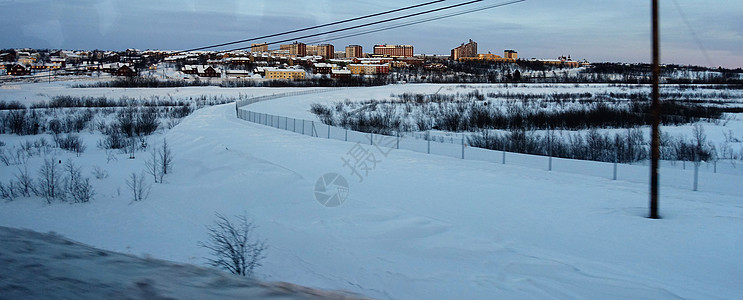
417,226
48,266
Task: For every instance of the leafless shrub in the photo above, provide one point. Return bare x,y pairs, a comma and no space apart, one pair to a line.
13,156
233,245
73,143
8,191
49,182
153,166
138,187
25,184
77,187
166,157
99,173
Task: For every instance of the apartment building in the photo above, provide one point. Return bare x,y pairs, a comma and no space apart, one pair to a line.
393,50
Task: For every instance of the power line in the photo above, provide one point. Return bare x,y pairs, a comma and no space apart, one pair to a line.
370,24
418,21
693,34
315,27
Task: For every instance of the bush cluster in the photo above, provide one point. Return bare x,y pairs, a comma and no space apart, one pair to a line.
625,147
472,112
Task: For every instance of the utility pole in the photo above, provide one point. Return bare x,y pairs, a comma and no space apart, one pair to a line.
655,108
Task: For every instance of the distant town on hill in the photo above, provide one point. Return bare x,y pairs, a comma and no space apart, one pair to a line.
299,64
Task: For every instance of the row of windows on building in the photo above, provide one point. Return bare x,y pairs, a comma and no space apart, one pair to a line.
327,51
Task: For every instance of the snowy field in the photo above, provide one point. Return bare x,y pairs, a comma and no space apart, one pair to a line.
417,226
34,93
299,106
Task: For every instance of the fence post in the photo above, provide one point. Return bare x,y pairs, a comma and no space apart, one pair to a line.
398,140
371,138
294,129
313,129
696,175
428,139
302,126
328,131
504,156
615,169
715,163
346,139
462,146
549,139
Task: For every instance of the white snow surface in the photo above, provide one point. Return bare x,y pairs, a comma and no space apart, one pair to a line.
48,266
418,226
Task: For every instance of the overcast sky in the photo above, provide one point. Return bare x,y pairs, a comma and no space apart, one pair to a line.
596,30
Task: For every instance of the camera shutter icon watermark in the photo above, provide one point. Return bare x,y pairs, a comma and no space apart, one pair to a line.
331,190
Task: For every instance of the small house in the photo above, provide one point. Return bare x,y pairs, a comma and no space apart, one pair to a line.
19,70
125,71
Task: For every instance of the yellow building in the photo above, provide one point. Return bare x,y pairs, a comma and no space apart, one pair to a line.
369,69
262,47
327,51
296,49
464,50
291,74
488,57
26,60
353,51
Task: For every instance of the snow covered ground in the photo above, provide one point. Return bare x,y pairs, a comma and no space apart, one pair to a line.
417,226
48,266
299,106
33,93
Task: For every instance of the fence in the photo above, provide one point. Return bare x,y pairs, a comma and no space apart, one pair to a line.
245,102
717,176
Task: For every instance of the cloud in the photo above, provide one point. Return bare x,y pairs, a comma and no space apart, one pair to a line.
47,31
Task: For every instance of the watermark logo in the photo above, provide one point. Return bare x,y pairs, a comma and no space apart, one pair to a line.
360,159
331,189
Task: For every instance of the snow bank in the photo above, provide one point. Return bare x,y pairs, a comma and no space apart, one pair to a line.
48,266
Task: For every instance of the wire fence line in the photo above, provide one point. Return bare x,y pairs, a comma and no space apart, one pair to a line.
715,176
249,101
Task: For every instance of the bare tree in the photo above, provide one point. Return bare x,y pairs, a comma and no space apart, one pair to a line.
25,182
49,180
131,146
701,151
153,166
77,187
166,158
136,183
8,191
233,246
